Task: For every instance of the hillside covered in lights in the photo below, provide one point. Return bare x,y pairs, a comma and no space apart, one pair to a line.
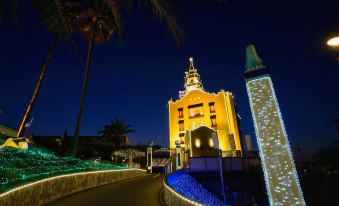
19,166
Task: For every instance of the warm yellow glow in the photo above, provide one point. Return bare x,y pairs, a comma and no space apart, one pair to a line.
197,143
197,108
211,143
334,42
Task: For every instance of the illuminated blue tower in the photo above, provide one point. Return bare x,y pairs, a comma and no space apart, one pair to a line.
281,177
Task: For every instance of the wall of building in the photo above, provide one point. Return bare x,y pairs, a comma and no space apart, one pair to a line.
51,189
225,113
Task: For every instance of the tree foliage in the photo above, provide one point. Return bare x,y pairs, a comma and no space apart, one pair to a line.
53,13
116,130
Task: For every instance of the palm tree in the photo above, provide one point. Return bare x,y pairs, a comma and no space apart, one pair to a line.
52,12
116,130
98,22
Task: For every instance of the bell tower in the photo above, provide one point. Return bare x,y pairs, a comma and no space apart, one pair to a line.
192,78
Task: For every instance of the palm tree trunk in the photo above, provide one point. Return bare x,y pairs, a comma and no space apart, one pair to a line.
29,109
84,92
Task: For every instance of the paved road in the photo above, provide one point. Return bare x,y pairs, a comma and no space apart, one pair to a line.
143,191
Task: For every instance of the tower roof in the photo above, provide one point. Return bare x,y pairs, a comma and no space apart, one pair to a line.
192,79
253,61
191,63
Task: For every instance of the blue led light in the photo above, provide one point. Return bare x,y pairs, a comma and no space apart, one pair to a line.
188,186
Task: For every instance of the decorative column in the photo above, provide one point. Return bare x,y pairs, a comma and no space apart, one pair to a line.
280,174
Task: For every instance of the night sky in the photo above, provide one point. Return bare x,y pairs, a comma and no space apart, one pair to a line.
134,80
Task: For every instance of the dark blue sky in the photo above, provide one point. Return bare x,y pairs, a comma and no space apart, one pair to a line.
134,81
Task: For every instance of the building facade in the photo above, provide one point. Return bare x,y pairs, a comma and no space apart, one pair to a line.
279,170
203,122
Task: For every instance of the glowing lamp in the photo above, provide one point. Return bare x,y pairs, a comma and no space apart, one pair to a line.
197,143
211,142
333,42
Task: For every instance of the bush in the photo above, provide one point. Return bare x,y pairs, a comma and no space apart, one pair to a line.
19,166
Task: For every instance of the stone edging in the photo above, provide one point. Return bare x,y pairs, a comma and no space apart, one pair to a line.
47,190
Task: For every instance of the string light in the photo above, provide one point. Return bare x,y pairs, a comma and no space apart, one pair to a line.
63,176
277,161
188,188
181,196
19,166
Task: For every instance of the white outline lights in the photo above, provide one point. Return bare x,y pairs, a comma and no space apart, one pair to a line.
280,174
66,175
185,199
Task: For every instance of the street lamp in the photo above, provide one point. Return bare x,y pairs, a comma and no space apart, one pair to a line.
149,156
334,44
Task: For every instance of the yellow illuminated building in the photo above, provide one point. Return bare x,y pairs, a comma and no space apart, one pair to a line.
203,122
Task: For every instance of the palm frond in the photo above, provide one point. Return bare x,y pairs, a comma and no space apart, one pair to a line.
115,9
162,9
117,128
52,13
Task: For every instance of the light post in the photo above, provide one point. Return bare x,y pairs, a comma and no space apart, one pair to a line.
334,44
178,157
149,156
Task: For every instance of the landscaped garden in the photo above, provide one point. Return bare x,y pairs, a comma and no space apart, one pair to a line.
18,166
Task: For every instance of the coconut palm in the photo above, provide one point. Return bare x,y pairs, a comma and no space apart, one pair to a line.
116,130
52,12
98,22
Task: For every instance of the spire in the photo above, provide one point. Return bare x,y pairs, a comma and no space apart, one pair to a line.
192,79
253,61
191,63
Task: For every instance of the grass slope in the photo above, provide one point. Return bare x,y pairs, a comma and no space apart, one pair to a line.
18,166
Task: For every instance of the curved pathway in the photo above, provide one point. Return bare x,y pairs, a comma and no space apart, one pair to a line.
144,191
